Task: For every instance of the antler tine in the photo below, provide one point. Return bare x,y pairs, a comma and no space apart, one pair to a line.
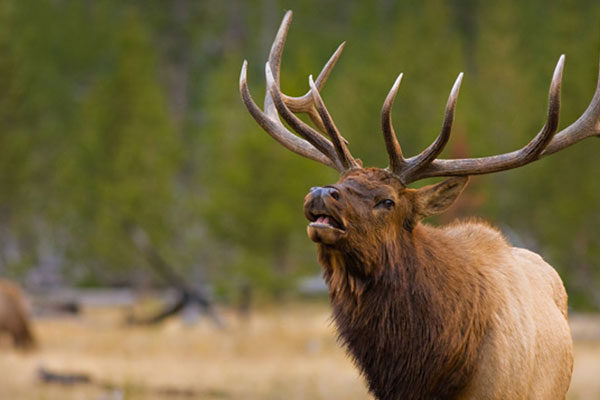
392,146
588,124
534,149
430,153
276,51
301,104
531,152
312,136
305,103
276,129
338,142
274,60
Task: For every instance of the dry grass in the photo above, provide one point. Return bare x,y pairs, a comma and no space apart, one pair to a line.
288,352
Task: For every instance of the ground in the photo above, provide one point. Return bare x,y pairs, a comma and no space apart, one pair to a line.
285,352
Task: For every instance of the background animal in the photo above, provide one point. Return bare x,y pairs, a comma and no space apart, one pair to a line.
14,318
425,312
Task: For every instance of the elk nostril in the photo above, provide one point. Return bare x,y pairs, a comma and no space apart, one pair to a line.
333,192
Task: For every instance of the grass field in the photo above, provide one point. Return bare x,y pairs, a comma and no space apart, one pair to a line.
286,352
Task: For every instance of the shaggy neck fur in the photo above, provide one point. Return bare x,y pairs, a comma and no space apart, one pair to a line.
410,315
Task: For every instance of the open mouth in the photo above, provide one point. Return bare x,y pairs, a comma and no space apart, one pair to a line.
325,226
327,222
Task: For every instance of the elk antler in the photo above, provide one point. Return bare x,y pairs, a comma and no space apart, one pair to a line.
405,168
544,143
311,144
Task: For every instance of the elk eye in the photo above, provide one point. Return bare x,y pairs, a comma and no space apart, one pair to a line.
387,204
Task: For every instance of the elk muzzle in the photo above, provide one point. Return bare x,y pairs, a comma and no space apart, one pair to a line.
321,207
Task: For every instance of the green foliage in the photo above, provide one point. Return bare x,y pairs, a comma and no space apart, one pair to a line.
124,157
116,114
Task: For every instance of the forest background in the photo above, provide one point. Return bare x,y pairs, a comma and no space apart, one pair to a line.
120,114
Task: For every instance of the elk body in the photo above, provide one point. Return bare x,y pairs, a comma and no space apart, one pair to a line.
453,312
14,319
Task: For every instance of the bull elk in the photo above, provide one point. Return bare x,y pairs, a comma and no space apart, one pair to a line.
14,319
452,312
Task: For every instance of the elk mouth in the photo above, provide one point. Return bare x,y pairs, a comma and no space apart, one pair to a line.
324,228
327,221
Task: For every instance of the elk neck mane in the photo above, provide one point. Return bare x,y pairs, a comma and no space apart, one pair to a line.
417,299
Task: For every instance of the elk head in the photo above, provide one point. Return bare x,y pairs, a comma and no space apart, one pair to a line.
372,205
372,202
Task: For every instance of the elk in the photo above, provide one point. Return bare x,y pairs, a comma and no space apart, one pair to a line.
13,315
451,312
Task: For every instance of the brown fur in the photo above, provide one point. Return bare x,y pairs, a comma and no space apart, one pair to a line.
438,313
14,319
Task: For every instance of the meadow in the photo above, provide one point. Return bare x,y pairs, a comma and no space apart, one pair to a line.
282,352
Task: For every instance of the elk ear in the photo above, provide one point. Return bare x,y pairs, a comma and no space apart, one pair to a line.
434,199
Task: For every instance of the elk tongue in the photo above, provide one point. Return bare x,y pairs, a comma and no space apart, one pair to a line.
323,219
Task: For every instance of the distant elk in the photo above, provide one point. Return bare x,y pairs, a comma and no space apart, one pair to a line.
452,312
14,319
